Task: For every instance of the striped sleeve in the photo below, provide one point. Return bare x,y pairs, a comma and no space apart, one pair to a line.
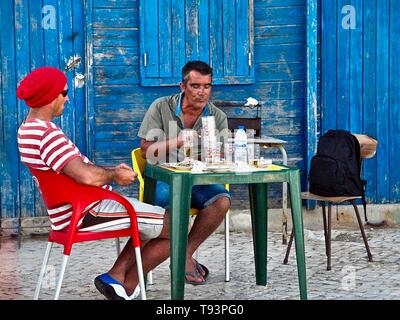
56,150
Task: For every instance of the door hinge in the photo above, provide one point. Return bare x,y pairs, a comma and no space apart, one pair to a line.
250,59
145,59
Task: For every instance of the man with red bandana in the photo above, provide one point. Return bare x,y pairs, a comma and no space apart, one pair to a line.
43,146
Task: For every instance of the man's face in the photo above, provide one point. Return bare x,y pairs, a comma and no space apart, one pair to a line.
197,89
59,103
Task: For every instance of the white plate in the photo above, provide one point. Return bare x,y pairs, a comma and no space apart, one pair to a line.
178,165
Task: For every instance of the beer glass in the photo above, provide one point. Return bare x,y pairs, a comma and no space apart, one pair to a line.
188,143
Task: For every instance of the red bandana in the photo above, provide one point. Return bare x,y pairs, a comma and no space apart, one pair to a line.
41,86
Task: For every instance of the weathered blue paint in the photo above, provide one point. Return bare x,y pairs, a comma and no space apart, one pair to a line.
328,64
369,92
343,68
311,84
90,60
26,45
120,102
78,42
311,108
9,179
360,84
104,120
355,76
394,98
382,101
26,185
193,30
37,49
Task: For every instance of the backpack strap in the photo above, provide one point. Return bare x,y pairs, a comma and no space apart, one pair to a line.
357,149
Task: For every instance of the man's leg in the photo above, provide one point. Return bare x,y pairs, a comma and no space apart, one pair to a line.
214,202
153,252
162,194
153,222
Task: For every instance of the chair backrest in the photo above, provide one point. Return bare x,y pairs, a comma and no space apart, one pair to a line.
58,189
368,145
138,166
250,121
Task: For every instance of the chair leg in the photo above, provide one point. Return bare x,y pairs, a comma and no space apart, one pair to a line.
140,273
150,277
227,265
285,261
61,276
118,246
362,231
329,233
325,227
43,270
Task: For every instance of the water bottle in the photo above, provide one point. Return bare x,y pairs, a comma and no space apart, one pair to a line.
240,146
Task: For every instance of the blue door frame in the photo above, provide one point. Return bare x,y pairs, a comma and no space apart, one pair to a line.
311,83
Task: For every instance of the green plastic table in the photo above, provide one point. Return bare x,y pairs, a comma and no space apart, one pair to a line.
182,181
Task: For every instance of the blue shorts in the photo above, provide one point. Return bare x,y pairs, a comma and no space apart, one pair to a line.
202,196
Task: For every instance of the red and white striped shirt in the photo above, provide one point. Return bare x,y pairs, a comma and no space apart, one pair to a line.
42,145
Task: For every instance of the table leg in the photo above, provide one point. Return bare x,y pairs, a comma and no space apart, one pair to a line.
258,207
284,200
179,205
297,217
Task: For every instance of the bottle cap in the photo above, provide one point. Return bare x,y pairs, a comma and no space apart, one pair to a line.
240,126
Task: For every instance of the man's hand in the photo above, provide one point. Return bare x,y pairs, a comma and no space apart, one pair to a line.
124,175
90,174
158,150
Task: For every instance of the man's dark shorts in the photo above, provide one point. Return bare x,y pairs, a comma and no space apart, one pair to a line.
202,196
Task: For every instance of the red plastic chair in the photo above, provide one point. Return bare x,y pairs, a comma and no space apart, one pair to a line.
59,189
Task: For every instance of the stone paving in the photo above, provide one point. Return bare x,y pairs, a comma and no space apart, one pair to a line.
352,277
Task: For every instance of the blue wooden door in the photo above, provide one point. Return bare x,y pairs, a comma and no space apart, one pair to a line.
360,79
34,34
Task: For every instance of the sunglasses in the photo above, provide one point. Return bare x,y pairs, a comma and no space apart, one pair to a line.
64,93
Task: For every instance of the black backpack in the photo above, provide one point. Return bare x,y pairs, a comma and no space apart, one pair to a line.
336,168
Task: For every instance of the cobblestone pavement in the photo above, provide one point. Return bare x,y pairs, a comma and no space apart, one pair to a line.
352,277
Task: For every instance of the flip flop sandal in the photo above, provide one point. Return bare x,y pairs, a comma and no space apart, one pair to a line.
196,274
200,266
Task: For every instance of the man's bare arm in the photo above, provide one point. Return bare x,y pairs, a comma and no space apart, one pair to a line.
159,147
93,175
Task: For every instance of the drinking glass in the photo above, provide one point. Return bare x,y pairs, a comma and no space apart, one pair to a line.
253,154
228,152
188,143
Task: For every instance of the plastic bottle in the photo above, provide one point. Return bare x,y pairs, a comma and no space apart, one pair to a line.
240,146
